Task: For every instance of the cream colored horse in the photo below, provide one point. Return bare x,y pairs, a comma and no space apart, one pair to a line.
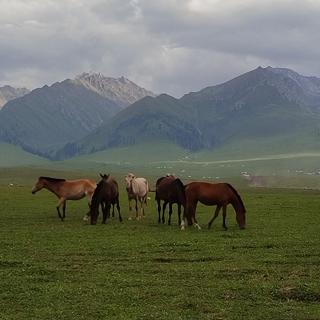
66,190
137,189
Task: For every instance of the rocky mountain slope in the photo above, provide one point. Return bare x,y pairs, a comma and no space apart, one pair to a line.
8,93
120,90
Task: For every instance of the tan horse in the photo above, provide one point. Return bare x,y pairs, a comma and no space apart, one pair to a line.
66,190
137,189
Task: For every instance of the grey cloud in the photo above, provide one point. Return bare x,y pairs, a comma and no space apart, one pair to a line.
166,46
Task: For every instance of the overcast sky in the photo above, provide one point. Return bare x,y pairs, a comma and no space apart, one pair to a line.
163,45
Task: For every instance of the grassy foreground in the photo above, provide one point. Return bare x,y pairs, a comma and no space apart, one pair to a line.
142,270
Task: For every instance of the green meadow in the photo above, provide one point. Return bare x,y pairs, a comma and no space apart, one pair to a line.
143,270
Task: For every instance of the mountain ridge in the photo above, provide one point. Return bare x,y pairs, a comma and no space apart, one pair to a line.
261,102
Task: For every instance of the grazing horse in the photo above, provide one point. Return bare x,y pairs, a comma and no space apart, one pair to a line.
106,194
210,194
137,189
171,190
66,190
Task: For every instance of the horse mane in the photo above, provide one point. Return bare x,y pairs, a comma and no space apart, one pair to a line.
237,195
159,180
52,179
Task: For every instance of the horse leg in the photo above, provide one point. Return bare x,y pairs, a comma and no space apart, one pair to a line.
118,209
194,221
130,209
163,211
141,207
159,210
137,214
170,213
89,198
185,217
106,212
64,209
224,214
143,202
61,201
113,211
214,217
179,213
87,215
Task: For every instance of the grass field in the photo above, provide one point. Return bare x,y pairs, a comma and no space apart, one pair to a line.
142,270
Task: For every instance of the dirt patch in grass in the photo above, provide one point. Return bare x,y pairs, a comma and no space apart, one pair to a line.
299,293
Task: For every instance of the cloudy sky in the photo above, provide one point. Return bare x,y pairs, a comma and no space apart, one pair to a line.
172,46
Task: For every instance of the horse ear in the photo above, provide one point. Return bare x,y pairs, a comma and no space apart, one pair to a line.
101,175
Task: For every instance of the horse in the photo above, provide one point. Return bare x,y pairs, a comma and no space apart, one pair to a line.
171,190
66,190
210,194
137,190
106,194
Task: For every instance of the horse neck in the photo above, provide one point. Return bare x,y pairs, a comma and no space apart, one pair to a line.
237,204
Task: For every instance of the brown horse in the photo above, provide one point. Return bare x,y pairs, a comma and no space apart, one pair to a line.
106,194
66,190
171,190
219,194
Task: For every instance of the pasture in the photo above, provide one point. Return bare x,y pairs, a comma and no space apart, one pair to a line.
142,270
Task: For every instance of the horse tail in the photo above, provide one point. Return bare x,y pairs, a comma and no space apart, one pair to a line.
237,195
157,183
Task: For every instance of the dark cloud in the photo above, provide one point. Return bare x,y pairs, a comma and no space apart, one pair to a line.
167,46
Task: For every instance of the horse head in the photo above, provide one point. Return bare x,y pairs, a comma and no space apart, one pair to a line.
39,185
104,176
128,179
241,218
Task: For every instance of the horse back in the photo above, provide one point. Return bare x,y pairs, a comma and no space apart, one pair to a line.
170,189
140,187
209,193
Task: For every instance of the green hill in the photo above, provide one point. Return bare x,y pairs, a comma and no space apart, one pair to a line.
14,156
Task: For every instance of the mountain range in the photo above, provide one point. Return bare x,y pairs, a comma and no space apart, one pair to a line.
47,118
93,113
265,103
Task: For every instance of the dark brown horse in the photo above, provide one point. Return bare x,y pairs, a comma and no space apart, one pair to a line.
66,190
210,194
106,194
171,190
